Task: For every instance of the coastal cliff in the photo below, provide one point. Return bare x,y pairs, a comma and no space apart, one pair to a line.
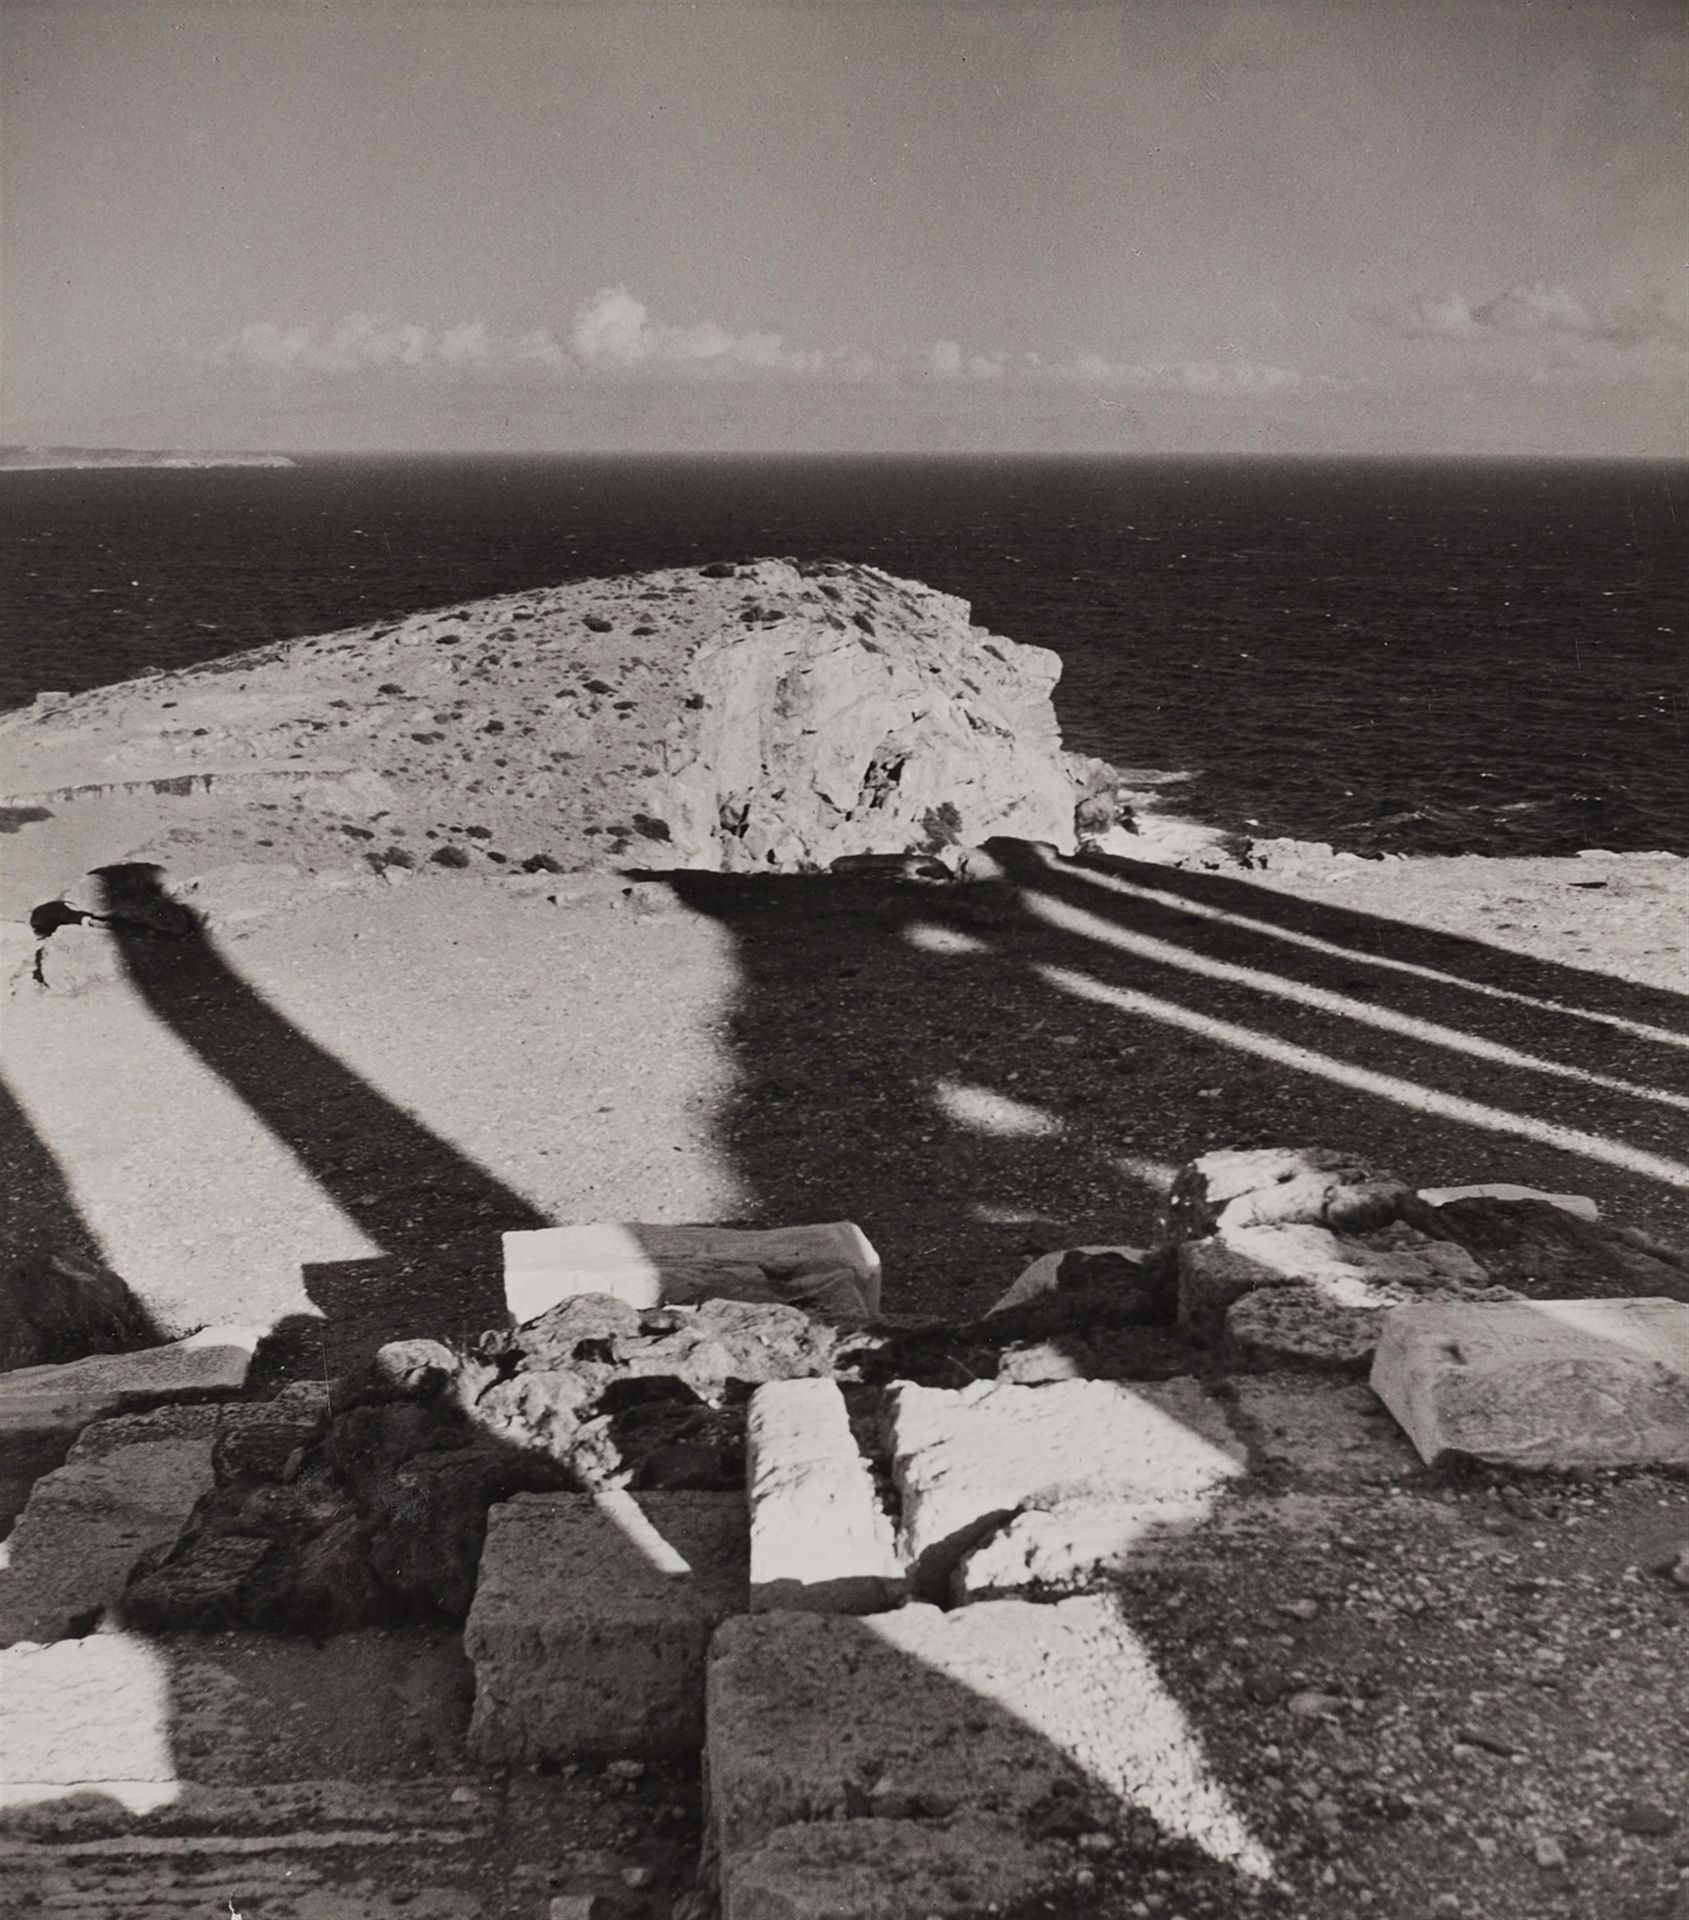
766,717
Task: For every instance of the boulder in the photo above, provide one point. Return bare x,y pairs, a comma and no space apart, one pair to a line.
60,1304
1546,1250
1285,1186
1558,1384
828,1270
1346,1271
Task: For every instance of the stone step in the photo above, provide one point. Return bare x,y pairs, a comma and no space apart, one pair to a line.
592,1621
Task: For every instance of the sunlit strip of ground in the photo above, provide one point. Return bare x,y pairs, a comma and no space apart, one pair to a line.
1405,1093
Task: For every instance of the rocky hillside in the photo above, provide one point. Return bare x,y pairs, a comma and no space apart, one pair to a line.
729,717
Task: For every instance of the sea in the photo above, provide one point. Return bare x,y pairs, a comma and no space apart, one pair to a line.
1392,656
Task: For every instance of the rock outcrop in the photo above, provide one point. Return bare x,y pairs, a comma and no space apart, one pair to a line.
772,716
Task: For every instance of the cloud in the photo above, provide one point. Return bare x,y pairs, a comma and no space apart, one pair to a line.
615,330
946,361
1570,332
612,333
1207,379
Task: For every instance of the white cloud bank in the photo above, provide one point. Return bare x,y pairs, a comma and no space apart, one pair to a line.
613,335
1649,335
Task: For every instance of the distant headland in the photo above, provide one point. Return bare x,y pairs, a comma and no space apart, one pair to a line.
18,458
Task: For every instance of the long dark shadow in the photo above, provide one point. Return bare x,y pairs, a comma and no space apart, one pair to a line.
978,1073
434,1212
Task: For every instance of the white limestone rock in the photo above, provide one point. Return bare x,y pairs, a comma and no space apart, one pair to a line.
1578,1204
830,1270
819,1539
965,1460
1541,1383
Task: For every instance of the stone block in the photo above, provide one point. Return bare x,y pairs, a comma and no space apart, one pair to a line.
128,1487
964,1461
819,1538
85,1717
830,1270
1541,1383
592,1619
45,1400
1578,1204
918,1716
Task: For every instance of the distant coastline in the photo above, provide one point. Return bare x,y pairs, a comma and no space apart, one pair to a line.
26,459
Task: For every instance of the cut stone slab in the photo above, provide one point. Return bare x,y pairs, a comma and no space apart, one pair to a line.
592,1619
1579,1204
919,1715
1349,1271
205,1366
1332,1329
87,1716
129,1486
819,1538
872,1869
831,1270
964,1461
1541,1383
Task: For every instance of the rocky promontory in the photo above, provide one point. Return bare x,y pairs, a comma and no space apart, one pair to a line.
765,717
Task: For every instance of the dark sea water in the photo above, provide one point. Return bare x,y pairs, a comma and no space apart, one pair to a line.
1418,656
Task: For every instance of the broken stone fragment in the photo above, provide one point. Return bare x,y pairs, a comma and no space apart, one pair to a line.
829,1270
819,1539
964,1461
1577,1204
1073,1270
1284,1186
1555,1384
1349,1271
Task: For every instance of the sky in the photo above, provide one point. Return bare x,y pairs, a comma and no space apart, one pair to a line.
1329,226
